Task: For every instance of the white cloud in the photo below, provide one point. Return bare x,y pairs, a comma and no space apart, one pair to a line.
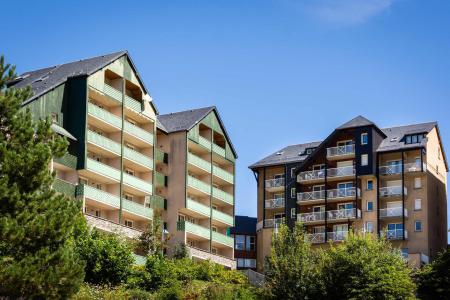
344,12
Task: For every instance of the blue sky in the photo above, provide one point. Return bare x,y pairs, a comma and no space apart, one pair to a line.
280,71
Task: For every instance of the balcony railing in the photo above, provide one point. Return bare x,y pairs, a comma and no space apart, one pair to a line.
222,217
221,173
396,234
341,172
133,104
98,195
138,132
137,209
223,196
160,156
137,183
223,239
341,214
391,191
341,151
393,212
193,229
199,185
102,169
390,169
311,175
160,179
218,150
138,157
275,203
67,160
337,236
156,201
273,183
415,167
310,196
198,207
311,217
64,187
343,193
112,92
204,142
316,238
272,223
104,115
103,142
199,162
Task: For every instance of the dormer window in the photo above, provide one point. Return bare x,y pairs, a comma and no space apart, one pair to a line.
279,153
414,138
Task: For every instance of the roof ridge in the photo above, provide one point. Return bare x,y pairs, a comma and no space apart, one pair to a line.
406,125
187,110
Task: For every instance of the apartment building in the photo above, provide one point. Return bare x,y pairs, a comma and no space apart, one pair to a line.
125,160
390,182
244,233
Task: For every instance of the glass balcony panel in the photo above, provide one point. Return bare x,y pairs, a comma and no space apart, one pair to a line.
309,196
275,203
311,217
340,214
343,193
341,172
276,182
341,150
311,175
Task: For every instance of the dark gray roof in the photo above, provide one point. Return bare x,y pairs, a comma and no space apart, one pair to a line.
244,225
186,120
46,79
356,122
394,140
288,154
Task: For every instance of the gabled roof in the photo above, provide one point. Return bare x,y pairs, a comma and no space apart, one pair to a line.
46,79
289,154
358,121
186,120
244,225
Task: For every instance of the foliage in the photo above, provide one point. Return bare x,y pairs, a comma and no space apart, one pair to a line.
292,268
108,258
153,240
365,267
94,292
434,279
180,251
37,225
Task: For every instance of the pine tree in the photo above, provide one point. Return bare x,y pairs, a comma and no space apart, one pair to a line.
37,225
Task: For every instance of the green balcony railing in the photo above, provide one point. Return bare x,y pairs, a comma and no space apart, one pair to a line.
199,185
64,187
218,150
198,207
199,162
160,179
204,142
133,104
139,132
138,157
139,260
103,142
98,195
223,217
223,196
160,156
137,209
156,201
194,229
112,92
221,173
104,115
222,239
137,183
102,169
67,160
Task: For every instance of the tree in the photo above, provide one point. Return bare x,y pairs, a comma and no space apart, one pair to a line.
434,279
292,268
366,267
37,225
108,258
153,240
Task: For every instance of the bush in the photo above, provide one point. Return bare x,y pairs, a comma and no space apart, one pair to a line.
434,279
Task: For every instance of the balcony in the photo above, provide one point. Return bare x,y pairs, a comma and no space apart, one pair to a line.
275,185
198,207
337,236
343,214
218,150
270,223
223,196
109,173
392,191
390,169
204,142
396,234
222,174
104,116
199,162
156,201
112,92
199,185
415,167
316,238
138,183
112,227
137,209
160,179
222,217
137,132
104,143
341,173
138,158
64,187
194,229
160,156
275,203
393,212
103,197
133,104
311,217
311,176
343,193
67,160
310,196
341,152
222,239
205,255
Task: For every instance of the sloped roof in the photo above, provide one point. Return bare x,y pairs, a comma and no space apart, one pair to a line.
286,155
356,122
186,120
394,136
244,224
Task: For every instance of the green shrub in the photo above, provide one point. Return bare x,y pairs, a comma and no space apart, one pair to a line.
172,292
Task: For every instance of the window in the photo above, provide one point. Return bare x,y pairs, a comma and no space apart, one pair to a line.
292,172
214,228
250,244
240,262
54,117
369,185
240,242
129,172
128,223
369,205
250,263
292,192
214,250
405,252
414,138
417,183
369,227
417,204
293,213
129,197
364,138
364,159
418,226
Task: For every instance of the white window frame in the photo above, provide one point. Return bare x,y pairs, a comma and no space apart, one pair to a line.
415,225
127,222
293,190
417,180
366,156
417,204
293,213
367,227
365,134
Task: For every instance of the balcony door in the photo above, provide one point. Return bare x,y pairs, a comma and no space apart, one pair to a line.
395,230
344,188
345,206
340,228
319,229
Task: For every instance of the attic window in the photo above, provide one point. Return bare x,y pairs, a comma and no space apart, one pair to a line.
279,153
414,138
394,139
